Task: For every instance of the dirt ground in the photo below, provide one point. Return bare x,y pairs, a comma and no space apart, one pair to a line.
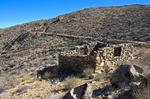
26,86
141,56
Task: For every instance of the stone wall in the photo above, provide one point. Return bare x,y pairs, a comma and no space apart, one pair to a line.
76,64
101,59
108,58
84,49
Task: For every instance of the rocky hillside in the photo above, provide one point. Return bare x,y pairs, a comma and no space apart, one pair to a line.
127,22
28,46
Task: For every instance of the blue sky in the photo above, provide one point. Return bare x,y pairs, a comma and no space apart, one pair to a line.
13,12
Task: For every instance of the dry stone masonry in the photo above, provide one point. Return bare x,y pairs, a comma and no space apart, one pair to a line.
99,57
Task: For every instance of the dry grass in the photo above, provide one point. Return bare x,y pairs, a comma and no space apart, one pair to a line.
71,82
141,56
141,92
28,88
53,96
87,73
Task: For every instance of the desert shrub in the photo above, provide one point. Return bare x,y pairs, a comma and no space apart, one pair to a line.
141,92
97,77
57,88
53,96
8,82
70,82
47,73
107,72
87,73
106,69
50,74
123,62
21,90
2,87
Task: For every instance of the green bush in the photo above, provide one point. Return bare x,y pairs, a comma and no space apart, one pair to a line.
50,74
123,62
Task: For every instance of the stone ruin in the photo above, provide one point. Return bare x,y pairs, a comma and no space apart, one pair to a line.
124,81
98,57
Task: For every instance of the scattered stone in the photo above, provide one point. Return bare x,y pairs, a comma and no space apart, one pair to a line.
124,79
76,93
2,90
125,74
47,72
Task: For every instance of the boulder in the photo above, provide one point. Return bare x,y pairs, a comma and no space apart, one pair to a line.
76,93
123,81
84,91
46,72
125,75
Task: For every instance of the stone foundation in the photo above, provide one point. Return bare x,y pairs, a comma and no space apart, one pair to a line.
77,64
102,58
108,58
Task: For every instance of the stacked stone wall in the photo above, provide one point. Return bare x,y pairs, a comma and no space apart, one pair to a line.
101,60
106,61
77,63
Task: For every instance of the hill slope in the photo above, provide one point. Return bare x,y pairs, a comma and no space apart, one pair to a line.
25,47
127,22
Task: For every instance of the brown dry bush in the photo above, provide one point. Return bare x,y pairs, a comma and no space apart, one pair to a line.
141,92
70,82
